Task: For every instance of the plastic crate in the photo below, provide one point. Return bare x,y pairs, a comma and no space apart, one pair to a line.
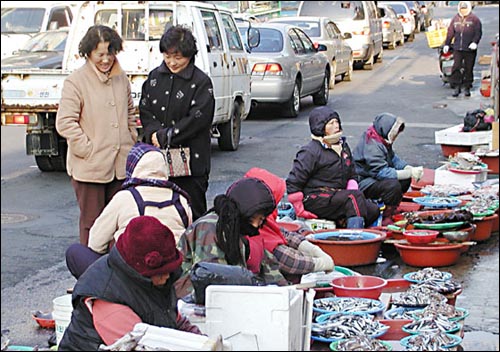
436,38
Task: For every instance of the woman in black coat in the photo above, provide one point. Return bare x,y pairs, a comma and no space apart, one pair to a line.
177,100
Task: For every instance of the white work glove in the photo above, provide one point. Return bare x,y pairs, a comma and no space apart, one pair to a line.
446,48
473,46
322,261
417,172
405,173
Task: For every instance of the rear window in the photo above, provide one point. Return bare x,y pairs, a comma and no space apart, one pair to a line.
271,41
310,27
22,20
336,10
398,8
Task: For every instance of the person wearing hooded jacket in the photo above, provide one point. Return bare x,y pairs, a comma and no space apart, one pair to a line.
130,285
464,33
145,191
296,256
382,173
220,236
322,182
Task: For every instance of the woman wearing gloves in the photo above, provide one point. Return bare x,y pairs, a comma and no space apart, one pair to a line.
382,174
464,34
322,180
296,256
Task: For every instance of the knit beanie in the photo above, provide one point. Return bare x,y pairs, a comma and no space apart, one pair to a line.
149,247
252,195
319,117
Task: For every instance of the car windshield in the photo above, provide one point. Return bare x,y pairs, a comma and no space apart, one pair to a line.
22,20
399,8
271,41
336,10
310,27
46,41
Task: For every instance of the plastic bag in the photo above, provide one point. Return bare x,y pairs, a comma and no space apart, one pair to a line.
204,274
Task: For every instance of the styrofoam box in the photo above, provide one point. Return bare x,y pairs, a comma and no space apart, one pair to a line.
454,136
443,176
256,318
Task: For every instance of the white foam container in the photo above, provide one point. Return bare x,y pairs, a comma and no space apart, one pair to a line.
454,136
262,318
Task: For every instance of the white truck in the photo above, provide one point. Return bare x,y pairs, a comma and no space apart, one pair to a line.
31,97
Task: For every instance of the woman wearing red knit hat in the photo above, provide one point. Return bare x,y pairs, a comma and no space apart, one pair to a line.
131,284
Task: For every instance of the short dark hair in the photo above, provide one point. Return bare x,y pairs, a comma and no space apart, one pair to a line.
100,34
181,39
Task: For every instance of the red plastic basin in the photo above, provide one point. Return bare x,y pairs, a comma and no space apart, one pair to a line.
424,255
358,286
420,236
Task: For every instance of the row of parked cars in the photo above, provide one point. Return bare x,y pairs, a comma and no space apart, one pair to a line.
297,56
306,54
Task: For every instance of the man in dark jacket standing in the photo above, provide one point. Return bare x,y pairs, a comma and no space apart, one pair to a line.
464,34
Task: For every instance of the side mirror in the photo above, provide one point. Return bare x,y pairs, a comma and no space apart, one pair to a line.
253,37
347,35
320,47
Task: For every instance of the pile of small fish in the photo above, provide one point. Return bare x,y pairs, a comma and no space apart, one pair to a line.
402,313
439,308
452,215
417,296
430,342
446,190
347,304
361,343
482,204
344,325
431,323
443,287
429,273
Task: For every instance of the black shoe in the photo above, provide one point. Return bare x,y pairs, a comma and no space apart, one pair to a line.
467,92
456,93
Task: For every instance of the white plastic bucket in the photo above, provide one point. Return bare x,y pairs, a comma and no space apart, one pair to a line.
62,314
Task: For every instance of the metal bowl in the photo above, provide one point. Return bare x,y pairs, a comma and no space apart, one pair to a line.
456,236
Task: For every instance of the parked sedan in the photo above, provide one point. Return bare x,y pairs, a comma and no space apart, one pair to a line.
44,51
404,16
392,29
286,67
324,31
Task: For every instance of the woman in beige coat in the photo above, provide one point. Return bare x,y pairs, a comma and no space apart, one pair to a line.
146,191
96,116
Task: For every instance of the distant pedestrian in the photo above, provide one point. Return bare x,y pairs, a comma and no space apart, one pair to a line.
96,115
464,34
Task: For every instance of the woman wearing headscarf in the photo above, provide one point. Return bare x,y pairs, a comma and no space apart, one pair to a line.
322,183
382,173
220,236
296,256
145,191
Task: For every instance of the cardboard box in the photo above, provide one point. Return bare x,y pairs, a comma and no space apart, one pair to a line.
443,176
495,132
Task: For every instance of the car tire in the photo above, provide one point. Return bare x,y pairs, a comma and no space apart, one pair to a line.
321,97
44,163
402,40
292,106
380,57
347,76
230,131
59,162
392,45
368,64
332,77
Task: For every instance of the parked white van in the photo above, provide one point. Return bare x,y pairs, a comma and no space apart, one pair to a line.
21,20
360,18
31,97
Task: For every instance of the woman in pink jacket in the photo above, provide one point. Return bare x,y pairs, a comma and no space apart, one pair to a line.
96,116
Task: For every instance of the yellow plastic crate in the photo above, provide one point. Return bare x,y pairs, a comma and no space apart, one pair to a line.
436,38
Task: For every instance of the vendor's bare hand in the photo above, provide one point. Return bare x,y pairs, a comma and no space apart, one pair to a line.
154,140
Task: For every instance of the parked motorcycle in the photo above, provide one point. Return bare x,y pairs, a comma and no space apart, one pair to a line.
445,64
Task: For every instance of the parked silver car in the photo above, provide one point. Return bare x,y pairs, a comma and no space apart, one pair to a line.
404,16
392,29
286,66
323,30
